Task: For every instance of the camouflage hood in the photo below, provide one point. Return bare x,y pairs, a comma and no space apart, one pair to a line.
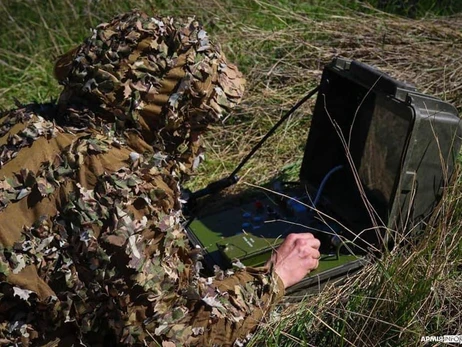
157,75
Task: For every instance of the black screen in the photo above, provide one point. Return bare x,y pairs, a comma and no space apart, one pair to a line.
365,132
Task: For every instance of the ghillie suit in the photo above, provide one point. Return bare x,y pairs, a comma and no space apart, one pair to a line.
92,248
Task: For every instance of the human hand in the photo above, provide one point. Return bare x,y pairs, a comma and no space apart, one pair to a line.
296,257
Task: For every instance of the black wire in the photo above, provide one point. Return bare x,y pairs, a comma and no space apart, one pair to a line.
226,182
272,130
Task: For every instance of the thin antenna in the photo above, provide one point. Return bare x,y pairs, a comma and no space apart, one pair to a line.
226,182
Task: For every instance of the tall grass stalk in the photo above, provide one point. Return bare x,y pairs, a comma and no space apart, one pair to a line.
281,46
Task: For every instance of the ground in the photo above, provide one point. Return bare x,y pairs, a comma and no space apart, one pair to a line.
282,46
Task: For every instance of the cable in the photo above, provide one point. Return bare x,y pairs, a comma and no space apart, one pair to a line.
323,183
339,242
273,129
223,183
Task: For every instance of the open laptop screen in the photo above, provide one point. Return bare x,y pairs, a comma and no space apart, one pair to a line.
366,133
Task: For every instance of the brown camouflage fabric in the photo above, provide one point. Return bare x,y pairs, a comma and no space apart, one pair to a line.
92,249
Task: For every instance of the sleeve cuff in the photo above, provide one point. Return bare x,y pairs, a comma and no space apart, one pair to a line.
277,286
280,287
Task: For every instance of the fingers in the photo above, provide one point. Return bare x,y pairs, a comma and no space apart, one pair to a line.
309,251
298,255
307,248
302,244
299,236
308,243
315,254
311,259
312,264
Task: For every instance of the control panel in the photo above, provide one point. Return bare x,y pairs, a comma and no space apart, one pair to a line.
250,231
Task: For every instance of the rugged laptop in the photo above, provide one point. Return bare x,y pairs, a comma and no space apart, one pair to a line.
376,161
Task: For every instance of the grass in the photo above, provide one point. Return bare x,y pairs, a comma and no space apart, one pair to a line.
281,47
411,293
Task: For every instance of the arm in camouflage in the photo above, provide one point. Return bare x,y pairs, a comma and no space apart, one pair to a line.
92,248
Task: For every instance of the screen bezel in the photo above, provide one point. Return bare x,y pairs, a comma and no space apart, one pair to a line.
396,107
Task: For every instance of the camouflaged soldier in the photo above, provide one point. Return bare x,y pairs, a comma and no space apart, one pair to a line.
92,249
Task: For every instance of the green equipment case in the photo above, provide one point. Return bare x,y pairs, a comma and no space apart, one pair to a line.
396,149
376,161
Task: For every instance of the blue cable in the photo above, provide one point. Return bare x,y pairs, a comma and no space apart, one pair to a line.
320,189
323,183
315,202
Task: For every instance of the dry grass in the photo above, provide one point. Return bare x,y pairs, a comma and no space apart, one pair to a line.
288,62
415,291
281,47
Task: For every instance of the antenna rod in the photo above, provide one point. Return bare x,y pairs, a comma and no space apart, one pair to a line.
272,130
223,183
